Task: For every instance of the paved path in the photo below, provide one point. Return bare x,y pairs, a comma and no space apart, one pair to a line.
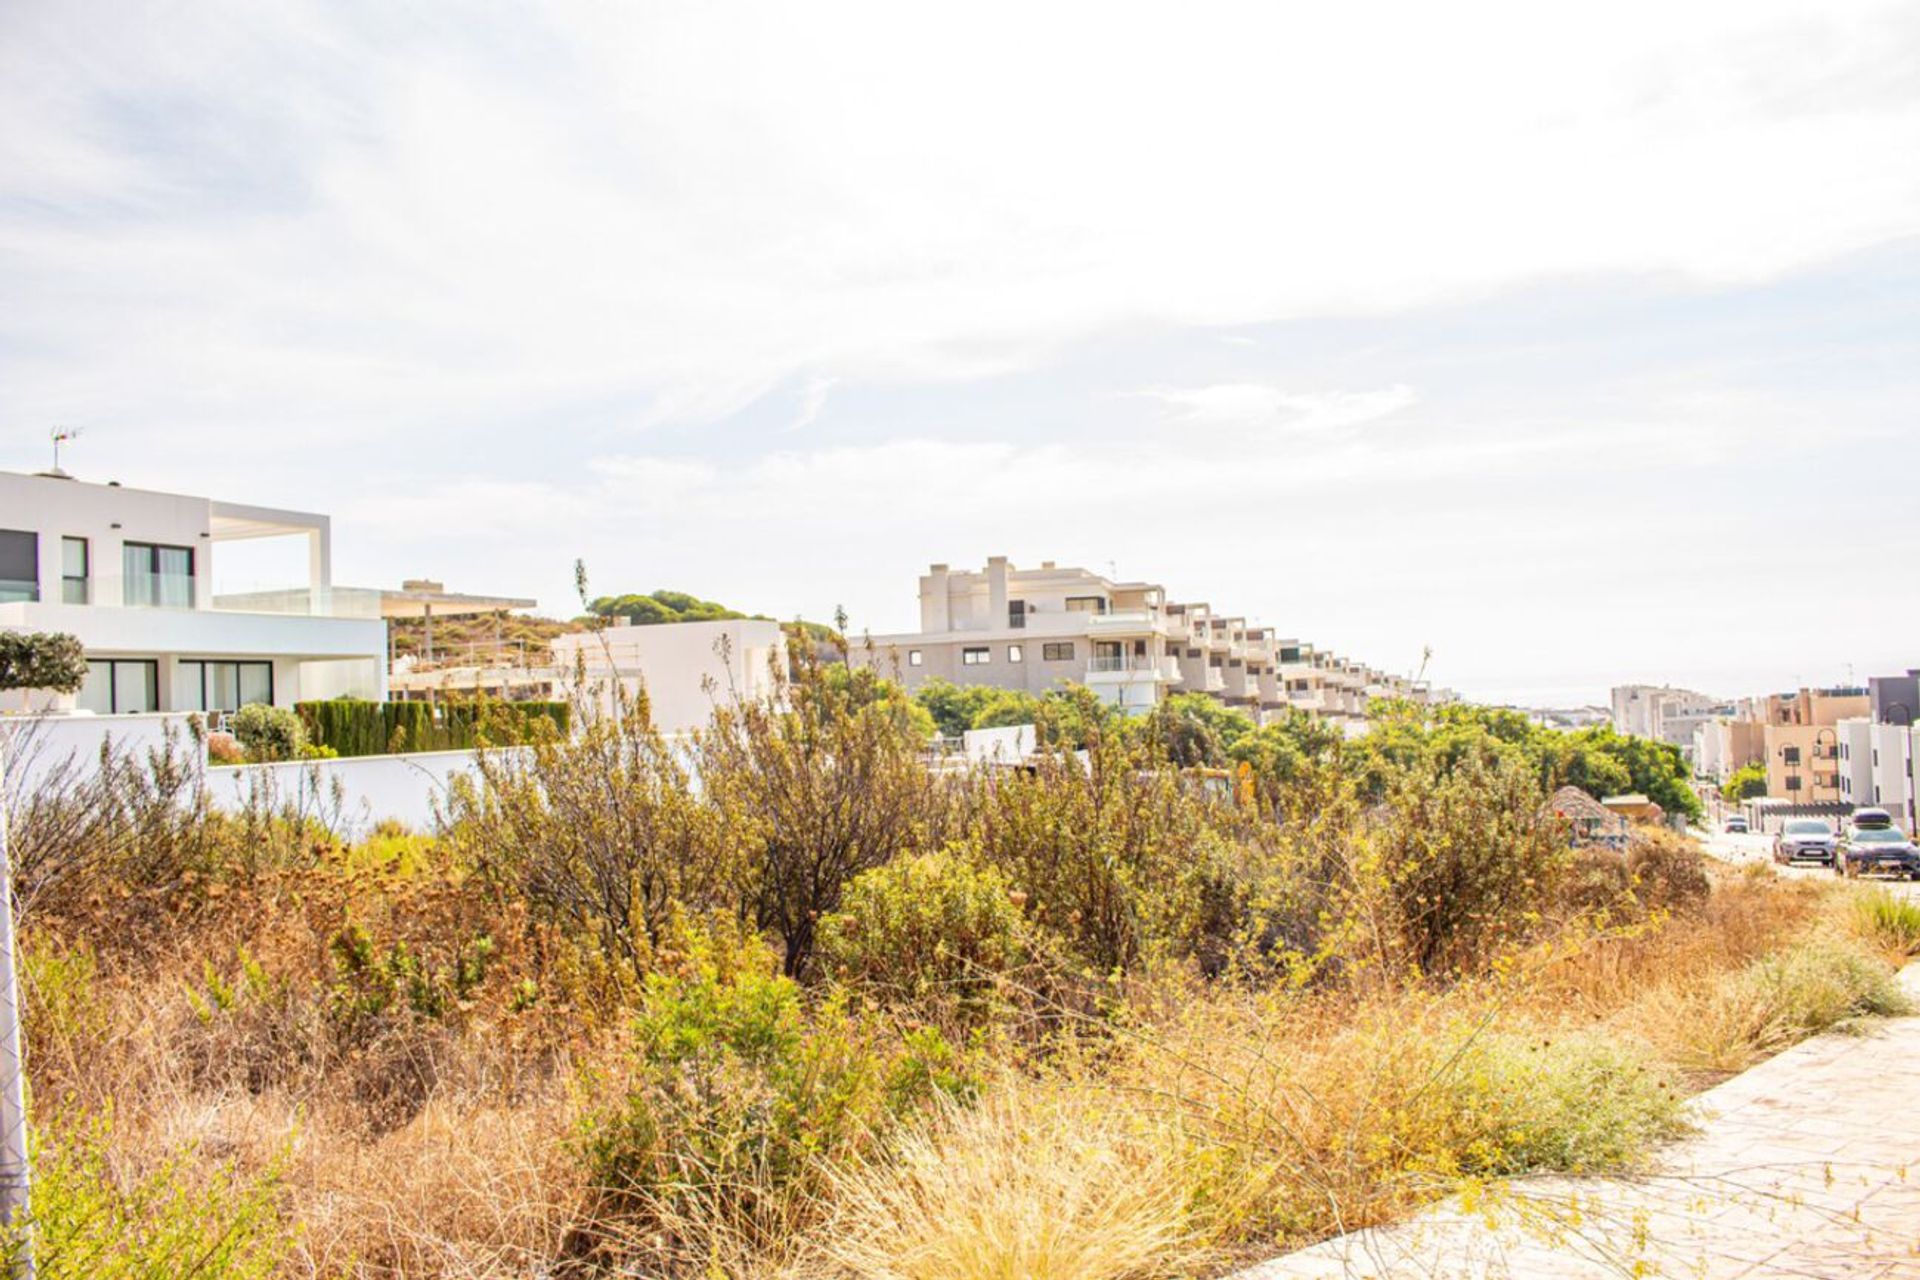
1806,1166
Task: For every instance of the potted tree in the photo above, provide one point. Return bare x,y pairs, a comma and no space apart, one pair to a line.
42,669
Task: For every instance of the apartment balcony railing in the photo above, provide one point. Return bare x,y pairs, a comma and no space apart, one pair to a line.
1163,668
1127,620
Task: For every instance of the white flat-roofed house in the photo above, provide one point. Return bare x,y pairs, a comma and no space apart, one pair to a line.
129,572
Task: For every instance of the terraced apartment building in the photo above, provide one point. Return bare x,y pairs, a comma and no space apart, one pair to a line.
1035,629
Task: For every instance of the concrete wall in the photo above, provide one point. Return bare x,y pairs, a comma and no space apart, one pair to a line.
686,667
402,788
38,745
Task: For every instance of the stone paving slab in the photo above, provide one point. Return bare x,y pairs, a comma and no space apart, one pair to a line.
1806,1166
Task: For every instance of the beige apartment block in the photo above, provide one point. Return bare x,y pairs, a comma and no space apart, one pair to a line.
1036,629
1802,741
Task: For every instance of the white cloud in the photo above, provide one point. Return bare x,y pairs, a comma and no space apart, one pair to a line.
1258,404
686,205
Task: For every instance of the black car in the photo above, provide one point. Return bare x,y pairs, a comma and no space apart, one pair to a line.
1868,849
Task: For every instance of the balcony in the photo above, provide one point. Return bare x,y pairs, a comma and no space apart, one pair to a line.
1126,620
1130,668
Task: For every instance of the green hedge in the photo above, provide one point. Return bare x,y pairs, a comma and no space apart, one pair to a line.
355,728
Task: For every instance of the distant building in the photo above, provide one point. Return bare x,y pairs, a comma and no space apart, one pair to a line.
686,669
1666,714
1036,629
1895,699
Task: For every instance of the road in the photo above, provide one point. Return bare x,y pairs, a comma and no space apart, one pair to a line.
1744,849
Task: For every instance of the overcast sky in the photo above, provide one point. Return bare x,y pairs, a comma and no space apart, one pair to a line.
1581,344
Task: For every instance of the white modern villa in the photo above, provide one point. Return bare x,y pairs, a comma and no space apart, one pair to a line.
1034,629
130,573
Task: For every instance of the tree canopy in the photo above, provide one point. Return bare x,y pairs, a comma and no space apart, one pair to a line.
49,660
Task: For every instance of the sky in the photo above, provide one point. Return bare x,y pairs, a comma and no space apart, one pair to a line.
1576,344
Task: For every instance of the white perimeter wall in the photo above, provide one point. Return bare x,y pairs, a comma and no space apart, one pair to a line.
372,788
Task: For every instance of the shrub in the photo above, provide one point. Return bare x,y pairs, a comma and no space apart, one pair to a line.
938,926
601,834
1668,871
1579,1103
223,749
1887,921
1467,858
740,1099
1778,1000
269,733
185,1219
1105,853
815,791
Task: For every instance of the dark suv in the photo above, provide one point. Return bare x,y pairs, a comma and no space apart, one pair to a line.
1873,843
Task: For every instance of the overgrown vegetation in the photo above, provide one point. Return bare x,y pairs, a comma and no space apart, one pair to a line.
782,1000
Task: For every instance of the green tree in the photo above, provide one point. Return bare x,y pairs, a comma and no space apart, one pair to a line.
1194,730
1747,782
50,660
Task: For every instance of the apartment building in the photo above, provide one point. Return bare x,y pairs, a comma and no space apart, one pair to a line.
1035,629
1802,741
130,573
1666,713
1877,764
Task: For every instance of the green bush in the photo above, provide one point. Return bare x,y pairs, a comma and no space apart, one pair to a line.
742,1099
1887,920
938,926
1577,1103
187,1219
269,733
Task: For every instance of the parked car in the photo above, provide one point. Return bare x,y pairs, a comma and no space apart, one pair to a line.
1864,850
1804,839
1736,826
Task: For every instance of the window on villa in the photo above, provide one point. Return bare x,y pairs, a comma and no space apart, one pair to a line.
157,576
1016,653
73,570
1214,661
1193,653
121,686
1793,784
1086,604
1016,613
1790,754
976,657
1058,651
222,686
913,658
19,565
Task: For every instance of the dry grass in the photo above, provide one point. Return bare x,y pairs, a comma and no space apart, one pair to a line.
1037,1182
1202,1125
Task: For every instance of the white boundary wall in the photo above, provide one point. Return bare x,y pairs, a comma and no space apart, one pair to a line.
370,788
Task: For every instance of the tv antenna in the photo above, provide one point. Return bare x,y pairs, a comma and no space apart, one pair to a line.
60,436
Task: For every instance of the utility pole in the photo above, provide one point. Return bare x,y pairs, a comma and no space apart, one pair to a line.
16,1172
